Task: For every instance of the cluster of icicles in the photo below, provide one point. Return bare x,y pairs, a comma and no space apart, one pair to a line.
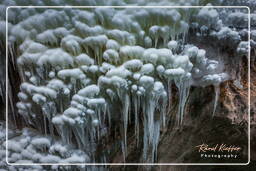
27,146
84,70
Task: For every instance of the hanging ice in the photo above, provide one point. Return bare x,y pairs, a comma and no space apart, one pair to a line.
85,70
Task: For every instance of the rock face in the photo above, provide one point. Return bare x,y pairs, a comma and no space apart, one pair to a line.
228,126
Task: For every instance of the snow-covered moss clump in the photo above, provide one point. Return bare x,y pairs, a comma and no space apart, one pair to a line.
26,146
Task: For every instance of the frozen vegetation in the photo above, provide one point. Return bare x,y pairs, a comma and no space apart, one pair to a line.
86,72
27,146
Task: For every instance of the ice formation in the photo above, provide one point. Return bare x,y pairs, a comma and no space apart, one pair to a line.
86,70
26,146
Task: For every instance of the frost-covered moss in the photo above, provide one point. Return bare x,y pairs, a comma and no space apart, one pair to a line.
85,70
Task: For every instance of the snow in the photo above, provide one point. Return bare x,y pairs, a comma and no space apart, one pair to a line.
93,103
238,19
50,159
183,62
95,122
160,69
76,159
56,84
146,81
95,41
14,146
89,91
85,30
47,37
52,57
41,142
165,56
57,120
134,87
30,46
31,89
192,51
122,37
131,52
33,80
21,105
19,33
22,96
83,67
226,34
71,44
147,69
61,32
84,59
27,58
209,17
173,45
147,42
93,69
27,154
133,65
75,73
112,44
106,67
174,72
118,82
38,98
72,112
90,112
111,55
14,157
52,74
119,71
201,54
158,87
68,120
243,48
214,79
58,148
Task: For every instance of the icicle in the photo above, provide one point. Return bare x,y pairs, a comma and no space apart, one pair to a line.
51,129
150,127
109,118
97,57
156,40
104,113
155,140
150,113
169,91
184,87
145,129
237,82
100,56
45,127
145,138
65,134
163,112
79,135
217,94
137,128
123,150
125,113
183,38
